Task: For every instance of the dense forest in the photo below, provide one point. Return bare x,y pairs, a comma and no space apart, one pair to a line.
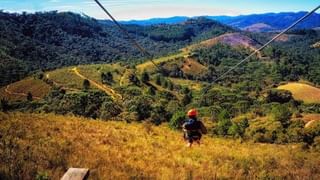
42,41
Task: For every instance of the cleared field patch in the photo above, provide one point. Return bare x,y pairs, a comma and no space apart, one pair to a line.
193,67
93,72
20,89
232,39
51,144
316,45
304,92
149,66
189,83
65,77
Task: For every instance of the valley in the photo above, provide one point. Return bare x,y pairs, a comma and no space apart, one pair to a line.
80,95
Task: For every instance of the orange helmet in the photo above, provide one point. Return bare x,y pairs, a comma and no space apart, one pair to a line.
192,112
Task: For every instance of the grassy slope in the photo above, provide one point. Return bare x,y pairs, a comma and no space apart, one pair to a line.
149,67
304,92
18,90
118,150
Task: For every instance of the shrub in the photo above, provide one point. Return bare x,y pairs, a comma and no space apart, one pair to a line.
312,131
177,120
238,127
296,132
265,130
109,110
151,91
145,77
224,123
4,105
142,106
86,84
316,144
282,114
107,78
158,79
280,96
29,96
187,98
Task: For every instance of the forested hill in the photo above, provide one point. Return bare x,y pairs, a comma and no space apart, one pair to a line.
30,42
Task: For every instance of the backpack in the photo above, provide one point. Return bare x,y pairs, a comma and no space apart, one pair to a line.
190,125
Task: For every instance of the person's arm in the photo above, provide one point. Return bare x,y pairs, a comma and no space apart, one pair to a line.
203,128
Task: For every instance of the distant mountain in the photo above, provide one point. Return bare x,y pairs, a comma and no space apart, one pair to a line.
170,20
273,21
254,22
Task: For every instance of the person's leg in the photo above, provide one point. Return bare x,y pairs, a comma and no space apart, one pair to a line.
199,138
190,141
198,141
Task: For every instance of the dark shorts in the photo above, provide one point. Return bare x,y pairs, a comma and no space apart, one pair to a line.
192,136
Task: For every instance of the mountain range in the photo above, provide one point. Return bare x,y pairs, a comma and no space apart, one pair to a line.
254,22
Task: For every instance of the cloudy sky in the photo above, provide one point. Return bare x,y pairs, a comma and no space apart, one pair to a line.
144,9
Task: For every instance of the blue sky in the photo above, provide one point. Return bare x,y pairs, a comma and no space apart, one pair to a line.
143,9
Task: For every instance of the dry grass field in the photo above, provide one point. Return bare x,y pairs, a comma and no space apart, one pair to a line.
46,144
304,92
19,90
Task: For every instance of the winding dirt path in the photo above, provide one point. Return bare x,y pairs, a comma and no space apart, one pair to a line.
104,88
18,94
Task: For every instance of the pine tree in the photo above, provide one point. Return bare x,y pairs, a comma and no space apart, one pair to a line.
86,84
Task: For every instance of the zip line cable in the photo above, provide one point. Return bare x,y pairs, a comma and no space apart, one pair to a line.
132,40
266,44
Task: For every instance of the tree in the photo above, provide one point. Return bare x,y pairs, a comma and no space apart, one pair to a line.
142,106
29,96
109,110
170,85
134,79
281,96
145,77
224,123
107,78
86,84
158,79
177,120
151,91
282,114
4,105
187,98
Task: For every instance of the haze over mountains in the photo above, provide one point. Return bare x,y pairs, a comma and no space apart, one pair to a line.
253,22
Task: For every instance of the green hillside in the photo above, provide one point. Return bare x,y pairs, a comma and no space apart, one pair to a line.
49,40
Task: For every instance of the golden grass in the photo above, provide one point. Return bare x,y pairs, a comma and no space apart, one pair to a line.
117,150
304,92
19,90
310,117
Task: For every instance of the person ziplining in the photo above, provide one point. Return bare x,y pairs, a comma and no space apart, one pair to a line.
193,128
